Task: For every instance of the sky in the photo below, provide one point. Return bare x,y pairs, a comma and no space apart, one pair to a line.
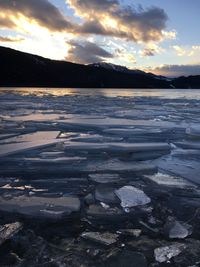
159,36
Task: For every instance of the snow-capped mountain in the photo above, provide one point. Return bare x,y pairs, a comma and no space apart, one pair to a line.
110,66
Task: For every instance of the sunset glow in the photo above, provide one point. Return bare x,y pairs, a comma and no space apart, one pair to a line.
144,34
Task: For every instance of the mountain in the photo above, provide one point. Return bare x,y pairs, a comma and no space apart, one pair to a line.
110,66
23,69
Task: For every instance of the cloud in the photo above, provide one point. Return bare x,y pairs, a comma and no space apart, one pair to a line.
11,39
179,50
86,52
122,55
147,52
186,50
177,70
124,22
40,11
5,22
99,17
151,50
87,7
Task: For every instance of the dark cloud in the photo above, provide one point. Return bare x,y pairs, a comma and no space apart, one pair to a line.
92,27
94,5
133,24
178,70
148,52
87,52
148,24
95,27
101,17
41,11
11,39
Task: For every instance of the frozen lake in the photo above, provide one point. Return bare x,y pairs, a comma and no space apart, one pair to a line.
112,160
104,116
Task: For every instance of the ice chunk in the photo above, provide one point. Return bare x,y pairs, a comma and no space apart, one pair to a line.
40,207
117,147
188,169
176,229
169,180
119,123
130,232
188,144
32,137
99,213
41,117
105,178
78,146
193,132
51,154
9,230
101,238
105,193
117,166
28,142
131,197
128,132
141,156
55,160
164,254
5,136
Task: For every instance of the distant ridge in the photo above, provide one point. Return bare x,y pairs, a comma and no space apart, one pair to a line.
23,69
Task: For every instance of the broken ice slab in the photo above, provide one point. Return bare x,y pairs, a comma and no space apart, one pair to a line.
175,229
105,178
142,156
59,160
67,135
147,134
27,142
108,122
41,208
79,167
163,179
32,137
128,132
106,194
130,232
139,147
188,144
164,254
89,137
116,147
56,182
62,186
83,146
101,215
187,169
5,136
51,154
106,238
41,117
131,197
117,166
7,231
192,154
193,132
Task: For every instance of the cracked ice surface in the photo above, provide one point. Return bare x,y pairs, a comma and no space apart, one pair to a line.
58,142
115,168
